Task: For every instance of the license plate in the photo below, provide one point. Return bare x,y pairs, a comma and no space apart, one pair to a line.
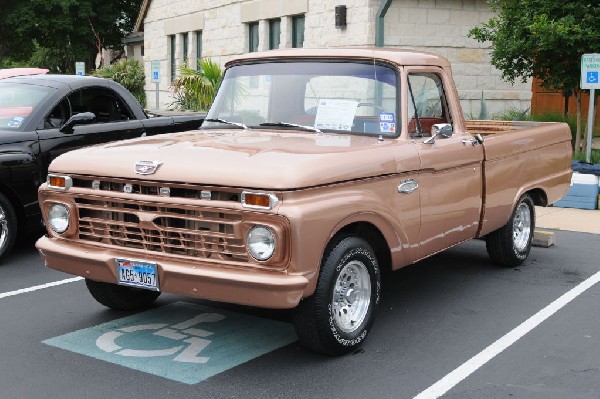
137,273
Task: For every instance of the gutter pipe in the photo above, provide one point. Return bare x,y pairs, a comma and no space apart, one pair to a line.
379,23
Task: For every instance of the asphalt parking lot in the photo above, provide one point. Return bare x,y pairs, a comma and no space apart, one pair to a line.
434,317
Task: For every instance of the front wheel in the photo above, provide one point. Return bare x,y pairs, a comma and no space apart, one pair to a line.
119,297
510,244
8,226
337,318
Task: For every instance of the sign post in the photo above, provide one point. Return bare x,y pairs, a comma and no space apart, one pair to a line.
80,68
155,77
590,79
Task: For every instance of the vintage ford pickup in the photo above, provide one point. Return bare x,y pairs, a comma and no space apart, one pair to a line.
315,170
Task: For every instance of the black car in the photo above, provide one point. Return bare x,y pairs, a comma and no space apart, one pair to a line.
43,116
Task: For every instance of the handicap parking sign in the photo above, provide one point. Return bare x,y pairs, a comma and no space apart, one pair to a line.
590,71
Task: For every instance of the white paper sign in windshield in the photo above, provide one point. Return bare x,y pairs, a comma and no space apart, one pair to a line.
335,114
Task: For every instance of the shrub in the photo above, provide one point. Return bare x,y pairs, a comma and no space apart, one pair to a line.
196,89
128,73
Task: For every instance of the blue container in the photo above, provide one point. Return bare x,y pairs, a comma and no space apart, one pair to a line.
583,193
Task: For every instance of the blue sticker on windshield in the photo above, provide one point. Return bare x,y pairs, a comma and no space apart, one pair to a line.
15,122
387,122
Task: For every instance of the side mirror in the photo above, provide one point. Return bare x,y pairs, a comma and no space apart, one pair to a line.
439,129
83,118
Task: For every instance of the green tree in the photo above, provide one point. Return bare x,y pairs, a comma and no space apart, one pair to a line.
59,32
544,39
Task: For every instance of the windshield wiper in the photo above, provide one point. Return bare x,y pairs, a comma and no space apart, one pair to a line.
303,127
238,124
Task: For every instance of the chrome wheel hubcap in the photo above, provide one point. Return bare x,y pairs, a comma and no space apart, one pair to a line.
3,228
521,227
351,296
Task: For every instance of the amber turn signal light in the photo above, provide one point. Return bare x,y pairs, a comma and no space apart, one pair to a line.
258,200
59,182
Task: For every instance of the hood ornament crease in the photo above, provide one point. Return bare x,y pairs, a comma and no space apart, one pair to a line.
146,167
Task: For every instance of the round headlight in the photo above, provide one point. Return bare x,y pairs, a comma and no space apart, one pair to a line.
261,242
58,218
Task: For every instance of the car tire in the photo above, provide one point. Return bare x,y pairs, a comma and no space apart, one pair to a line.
510,245
8,226
119,297
337,318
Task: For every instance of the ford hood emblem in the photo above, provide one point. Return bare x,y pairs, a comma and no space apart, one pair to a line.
146,167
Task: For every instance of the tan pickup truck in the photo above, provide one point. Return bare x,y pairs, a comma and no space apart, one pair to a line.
315,170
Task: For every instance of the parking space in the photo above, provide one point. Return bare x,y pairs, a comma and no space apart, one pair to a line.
434,316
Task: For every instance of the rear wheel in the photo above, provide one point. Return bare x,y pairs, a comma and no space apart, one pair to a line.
338,316
8,226
510,245
119,297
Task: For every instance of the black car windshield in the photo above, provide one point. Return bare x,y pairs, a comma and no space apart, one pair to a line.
335,97
18,102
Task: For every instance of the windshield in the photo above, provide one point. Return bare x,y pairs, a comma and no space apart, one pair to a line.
348,97
17,102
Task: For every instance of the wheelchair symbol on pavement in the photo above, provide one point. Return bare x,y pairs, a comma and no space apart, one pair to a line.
592,77
183,332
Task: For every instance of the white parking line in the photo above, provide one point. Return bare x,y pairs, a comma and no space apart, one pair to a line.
470,366
39,287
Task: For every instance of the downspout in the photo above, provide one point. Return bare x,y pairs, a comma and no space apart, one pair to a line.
379,23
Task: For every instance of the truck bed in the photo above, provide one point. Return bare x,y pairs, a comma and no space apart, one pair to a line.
486,127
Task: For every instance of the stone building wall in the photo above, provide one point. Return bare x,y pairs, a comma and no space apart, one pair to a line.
439,26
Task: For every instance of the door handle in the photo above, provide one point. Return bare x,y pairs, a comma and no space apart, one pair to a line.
477,139
408,186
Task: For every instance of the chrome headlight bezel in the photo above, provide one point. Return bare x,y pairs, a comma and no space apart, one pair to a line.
261,243
59,218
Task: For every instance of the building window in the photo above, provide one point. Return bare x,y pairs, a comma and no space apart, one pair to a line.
185,38
198,48
274,33
253,36
298,31
142,50
172,56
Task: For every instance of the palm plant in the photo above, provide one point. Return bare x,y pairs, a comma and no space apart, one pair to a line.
196,89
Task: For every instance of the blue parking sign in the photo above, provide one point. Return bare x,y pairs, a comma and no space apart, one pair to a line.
592,77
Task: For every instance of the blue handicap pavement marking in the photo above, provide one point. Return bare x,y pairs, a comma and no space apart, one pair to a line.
179,341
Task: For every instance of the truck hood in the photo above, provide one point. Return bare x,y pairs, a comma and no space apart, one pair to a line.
273,160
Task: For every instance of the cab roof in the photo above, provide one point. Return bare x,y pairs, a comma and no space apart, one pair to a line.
393,55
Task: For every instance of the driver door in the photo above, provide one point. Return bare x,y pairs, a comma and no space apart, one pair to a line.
450,177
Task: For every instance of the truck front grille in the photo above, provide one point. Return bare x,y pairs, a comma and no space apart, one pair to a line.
197,232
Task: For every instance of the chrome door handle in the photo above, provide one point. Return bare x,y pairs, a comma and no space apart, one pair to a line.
408,186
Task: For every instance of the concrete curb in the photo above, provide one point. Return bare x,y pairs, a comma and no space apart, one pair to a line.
543,238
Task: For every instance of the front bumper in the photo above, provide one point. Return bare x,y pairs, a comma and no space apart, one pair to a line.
252,287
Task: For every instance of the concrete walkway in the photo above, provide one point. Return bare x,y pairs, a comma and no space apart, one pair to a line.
581,220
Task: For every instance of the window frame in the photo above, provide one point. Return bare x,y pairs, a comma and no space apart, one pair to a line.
295,30
272,37
173,56
253,37
198,35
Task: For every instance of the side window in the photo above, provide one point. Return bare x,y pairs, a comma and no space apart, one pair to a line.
58,115
427,104
104,103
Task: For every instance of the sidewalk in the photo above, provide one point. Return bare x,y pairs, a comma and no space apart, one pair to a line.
581,220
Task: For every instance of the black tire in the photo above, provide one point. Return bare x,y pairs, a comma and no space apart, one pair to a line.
8,226
119,297
510,245
320,320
